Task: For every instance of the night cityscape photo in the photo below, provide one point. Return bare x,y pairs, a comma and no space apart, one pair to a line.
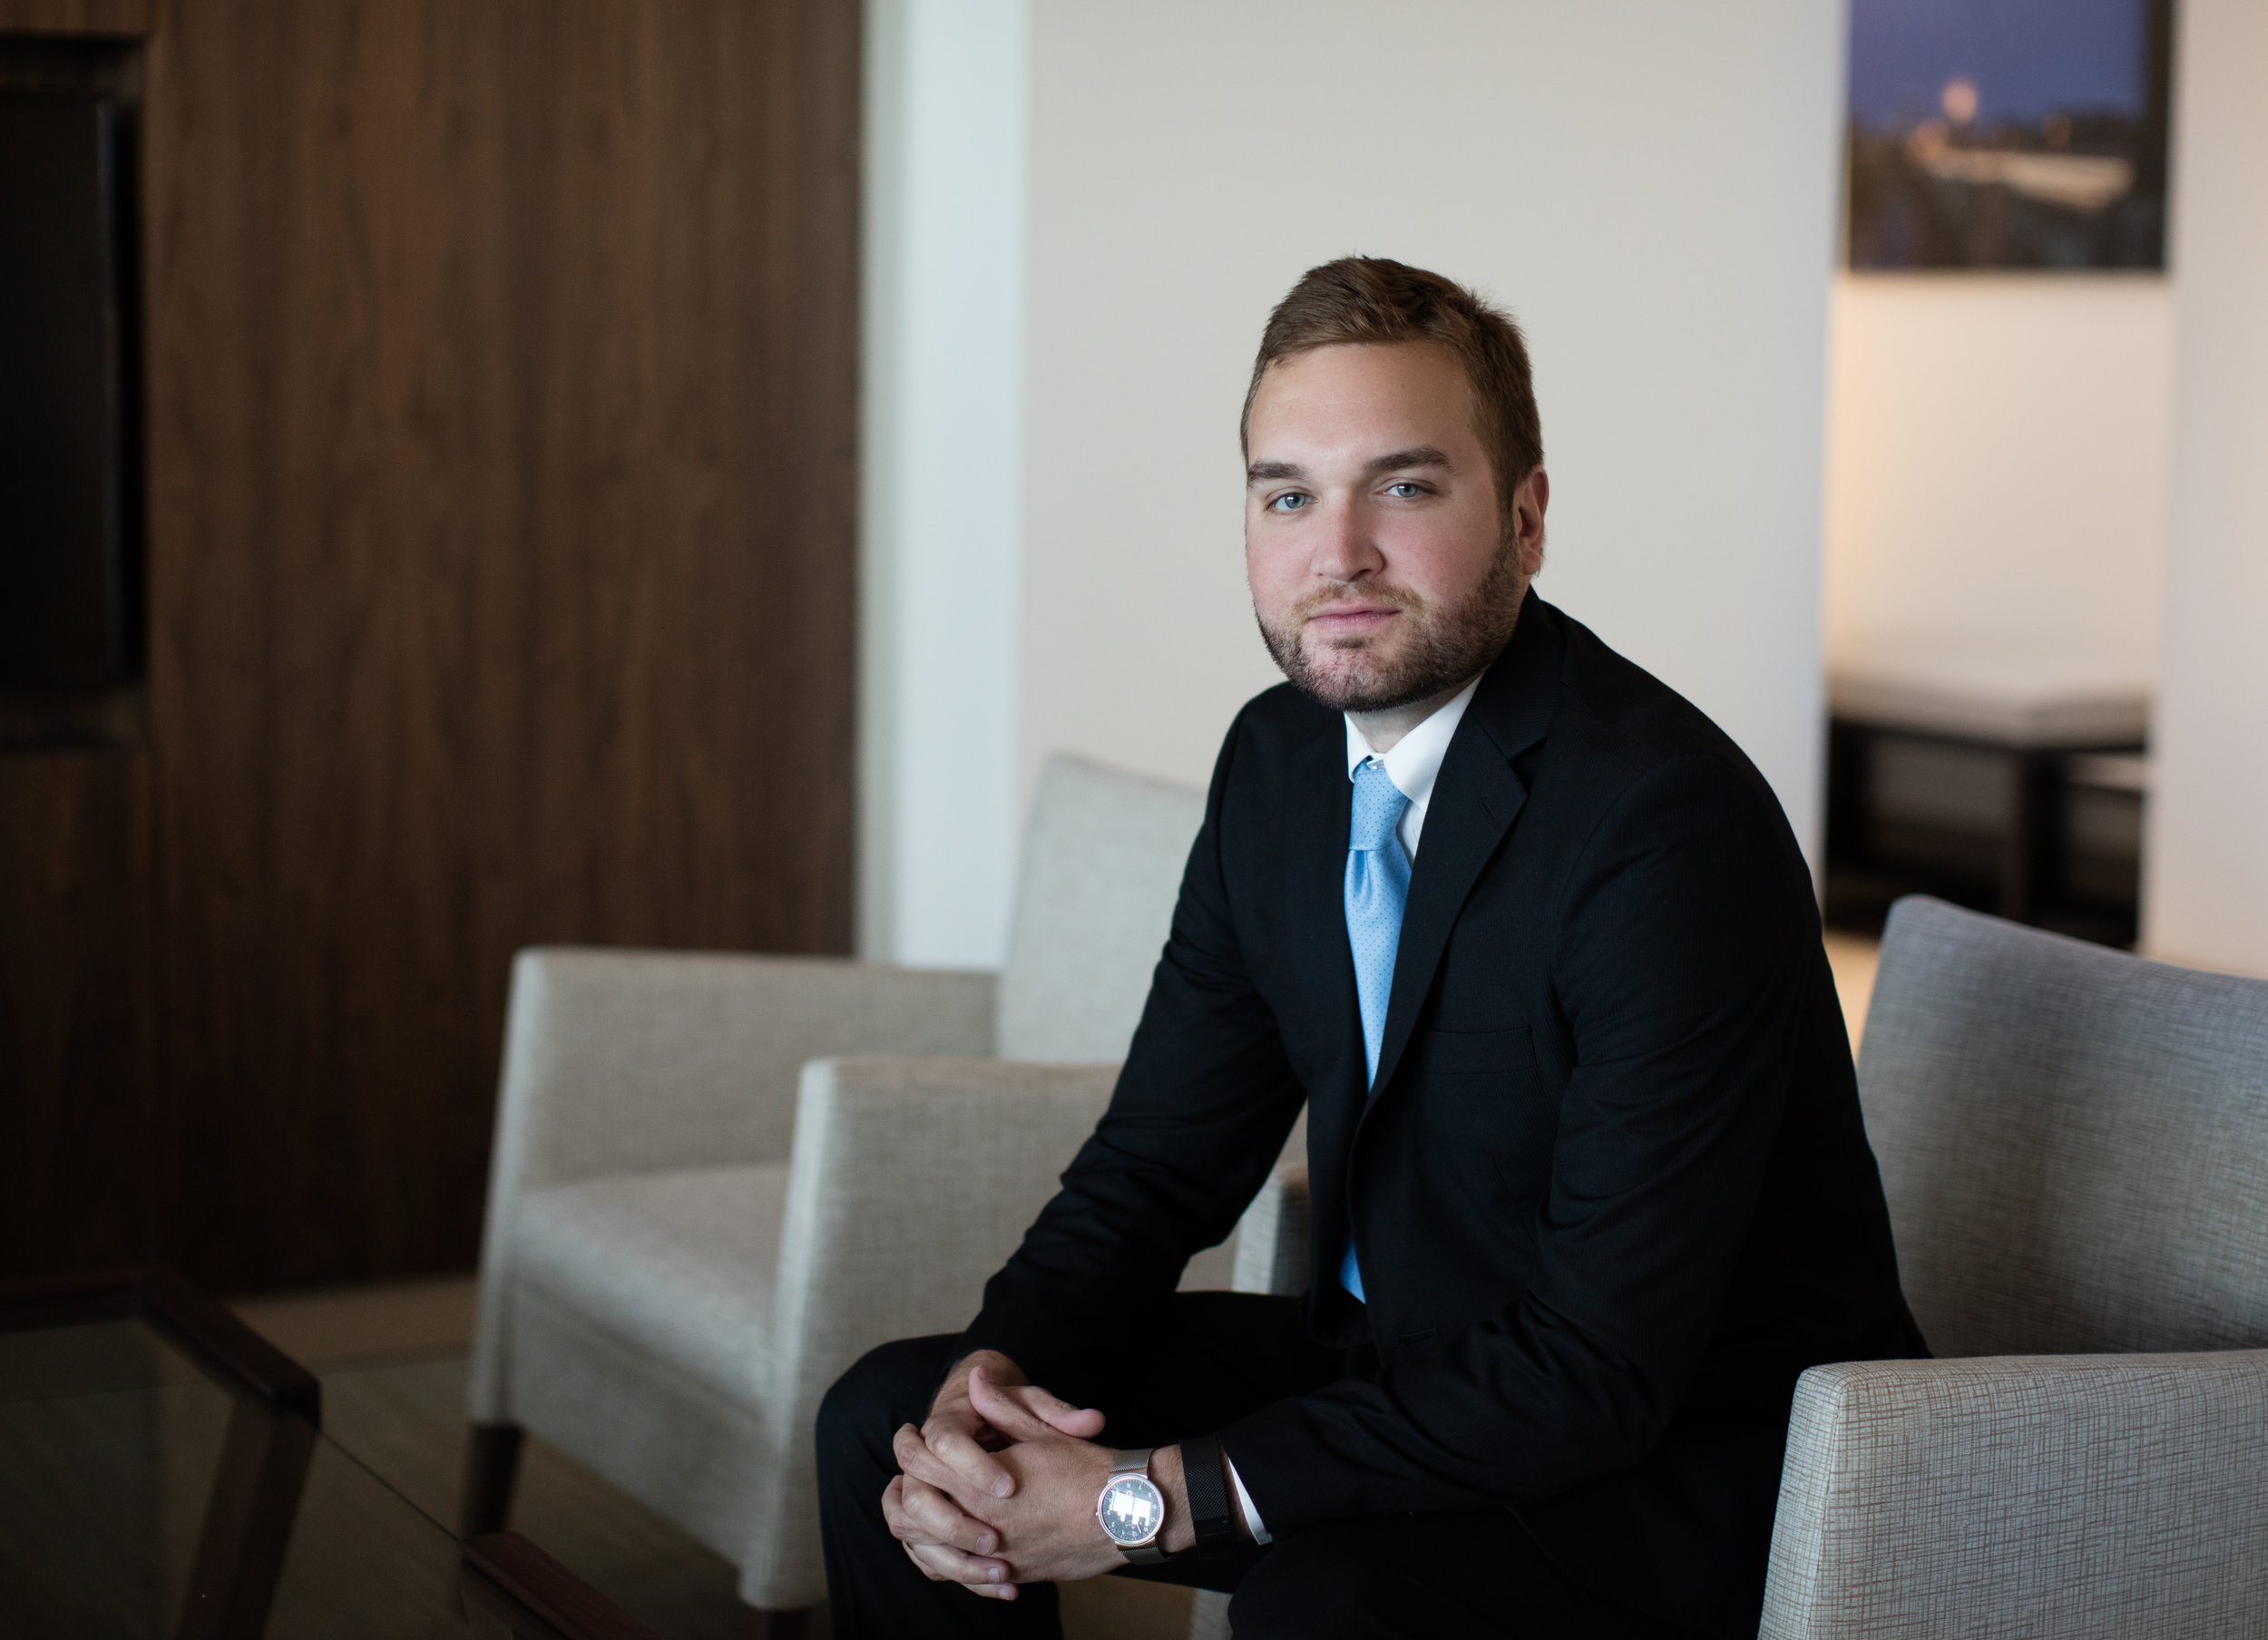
2007,133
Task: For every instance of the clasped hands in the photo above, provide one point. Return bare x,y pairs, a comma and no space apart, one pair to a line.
999,1486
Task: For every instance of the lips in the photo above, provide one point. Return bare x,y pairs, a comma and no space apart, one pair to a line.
1351,620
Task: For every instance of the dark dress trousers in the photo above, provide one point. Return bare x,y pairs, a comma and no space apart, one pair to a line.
1609,1190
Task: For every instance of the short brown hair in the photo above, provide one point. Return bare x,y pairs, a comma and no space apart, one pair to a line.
1358,300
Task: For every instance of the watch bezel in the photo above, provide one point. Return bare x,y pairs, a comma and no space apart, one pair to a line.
1157,1505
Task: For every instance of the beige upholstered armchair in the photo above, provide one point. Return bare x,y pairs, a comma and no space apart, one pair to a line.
717,1180
2075,1144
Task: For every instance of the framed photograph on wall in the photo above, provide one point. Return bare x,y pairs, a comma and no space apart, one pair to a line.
2008,134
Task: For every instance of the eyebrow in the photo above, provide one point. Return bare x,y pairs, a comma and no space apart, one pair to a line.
1397,461
1420,456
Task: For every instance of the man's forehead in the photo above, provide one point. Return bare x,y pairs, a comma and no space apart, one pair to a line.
1361,401
1424,370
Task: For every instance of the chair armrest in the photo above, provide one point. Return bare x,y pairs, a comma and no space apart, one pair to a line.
1272,1238
625,1062
913,1180
2081,1496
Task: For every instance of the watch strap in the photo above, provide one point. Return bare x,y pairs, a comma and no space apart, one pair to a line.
1212,1513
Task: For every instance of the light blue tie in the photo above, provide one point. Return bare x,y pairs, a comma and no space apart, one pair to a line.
1377,887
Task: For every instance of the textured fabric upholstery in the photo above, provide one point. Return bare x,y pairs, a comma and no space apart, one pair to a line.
699,1212
680,1262
1208,1615
704,1048
654,1307
2073,1141
620,1062
2076,1496
953,1157
633,1417
2074,1146
1095,889
1272,1239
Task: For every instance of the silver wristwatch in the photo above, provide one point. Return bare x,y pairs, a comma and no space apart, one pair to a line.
1132,1510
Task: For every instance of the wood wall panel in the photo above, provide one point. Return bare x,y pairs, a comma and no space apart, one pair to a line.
501,361
78,1115
75,17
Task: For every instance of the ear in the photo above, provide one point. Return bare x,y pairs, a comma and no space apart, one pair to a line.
1529,503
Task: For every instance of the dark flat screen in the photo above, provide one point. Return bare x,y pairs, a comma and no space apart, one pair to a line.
65,618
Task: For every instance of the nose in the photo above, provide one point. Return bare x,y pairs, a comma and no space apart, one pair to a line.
1345,548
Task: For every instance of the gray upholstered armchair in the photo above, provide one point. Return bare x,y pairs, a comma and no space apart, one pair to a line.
2075,1145
709,1196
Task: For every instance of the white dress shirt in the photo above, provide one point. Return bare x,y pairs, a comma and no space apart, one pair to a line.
1415,762
1413,765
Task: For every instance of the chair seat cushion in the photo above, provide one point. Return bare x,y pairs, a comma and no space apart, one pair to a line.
682,1262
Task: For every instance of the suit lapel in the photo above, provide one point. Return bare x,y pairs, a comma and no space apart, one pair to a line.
1477,796
1314,872
1315,875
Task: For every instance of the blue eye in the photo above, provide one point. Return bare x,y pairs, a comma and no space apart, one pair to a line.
1406,489
1290,502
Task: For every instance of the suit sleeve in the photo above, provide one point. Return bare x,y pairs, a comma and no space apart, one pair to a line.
1199,1114
1687,919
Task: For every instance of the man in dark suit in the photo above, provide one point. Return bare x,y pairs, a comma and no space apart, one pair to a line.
1533,941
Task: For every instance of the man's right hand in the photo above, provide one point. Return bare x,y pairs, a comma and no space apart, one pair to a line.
947,1542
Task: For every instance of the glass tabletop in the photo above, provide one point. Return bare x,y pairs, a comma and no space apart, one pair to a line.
151,1485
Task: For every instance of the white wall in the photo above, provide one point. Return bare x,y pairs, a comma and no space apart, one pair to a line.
2206,865
1996,469
1651,187
1649,184
940,380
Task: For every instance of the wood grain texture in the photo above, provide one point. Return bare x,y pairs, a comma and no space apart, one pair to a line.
75,17
80,1186
501,364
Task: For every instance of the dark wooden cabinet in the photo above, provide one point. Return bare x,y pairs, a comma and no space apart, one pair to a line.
500,367
2035,830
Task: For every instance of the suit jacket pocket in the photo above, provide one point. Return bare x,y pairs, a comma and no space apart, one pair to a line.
1479,1052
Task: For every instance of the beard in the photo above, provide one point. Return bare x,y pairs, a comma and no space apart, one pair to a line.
1441,647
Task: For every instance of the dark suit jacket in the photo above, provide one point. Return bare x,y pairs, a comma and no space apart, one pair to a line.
1609,1189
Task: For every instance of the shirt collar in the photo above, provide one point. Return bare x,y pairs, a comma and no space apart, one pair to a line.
1416,758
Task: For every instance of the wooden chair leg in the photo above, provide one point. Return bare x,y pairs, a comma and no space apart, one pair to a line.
763,1624
492,1463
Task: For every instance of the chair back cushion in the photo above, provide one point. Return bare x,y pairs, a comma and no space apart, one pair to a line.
621,1061
1095,890
2073,1141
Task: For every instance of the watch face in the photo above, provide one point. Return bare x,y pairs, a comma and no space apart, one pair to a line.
1132,1510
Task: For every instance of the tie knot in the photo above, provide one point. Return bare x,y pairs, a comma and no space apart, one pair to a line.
1378,805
